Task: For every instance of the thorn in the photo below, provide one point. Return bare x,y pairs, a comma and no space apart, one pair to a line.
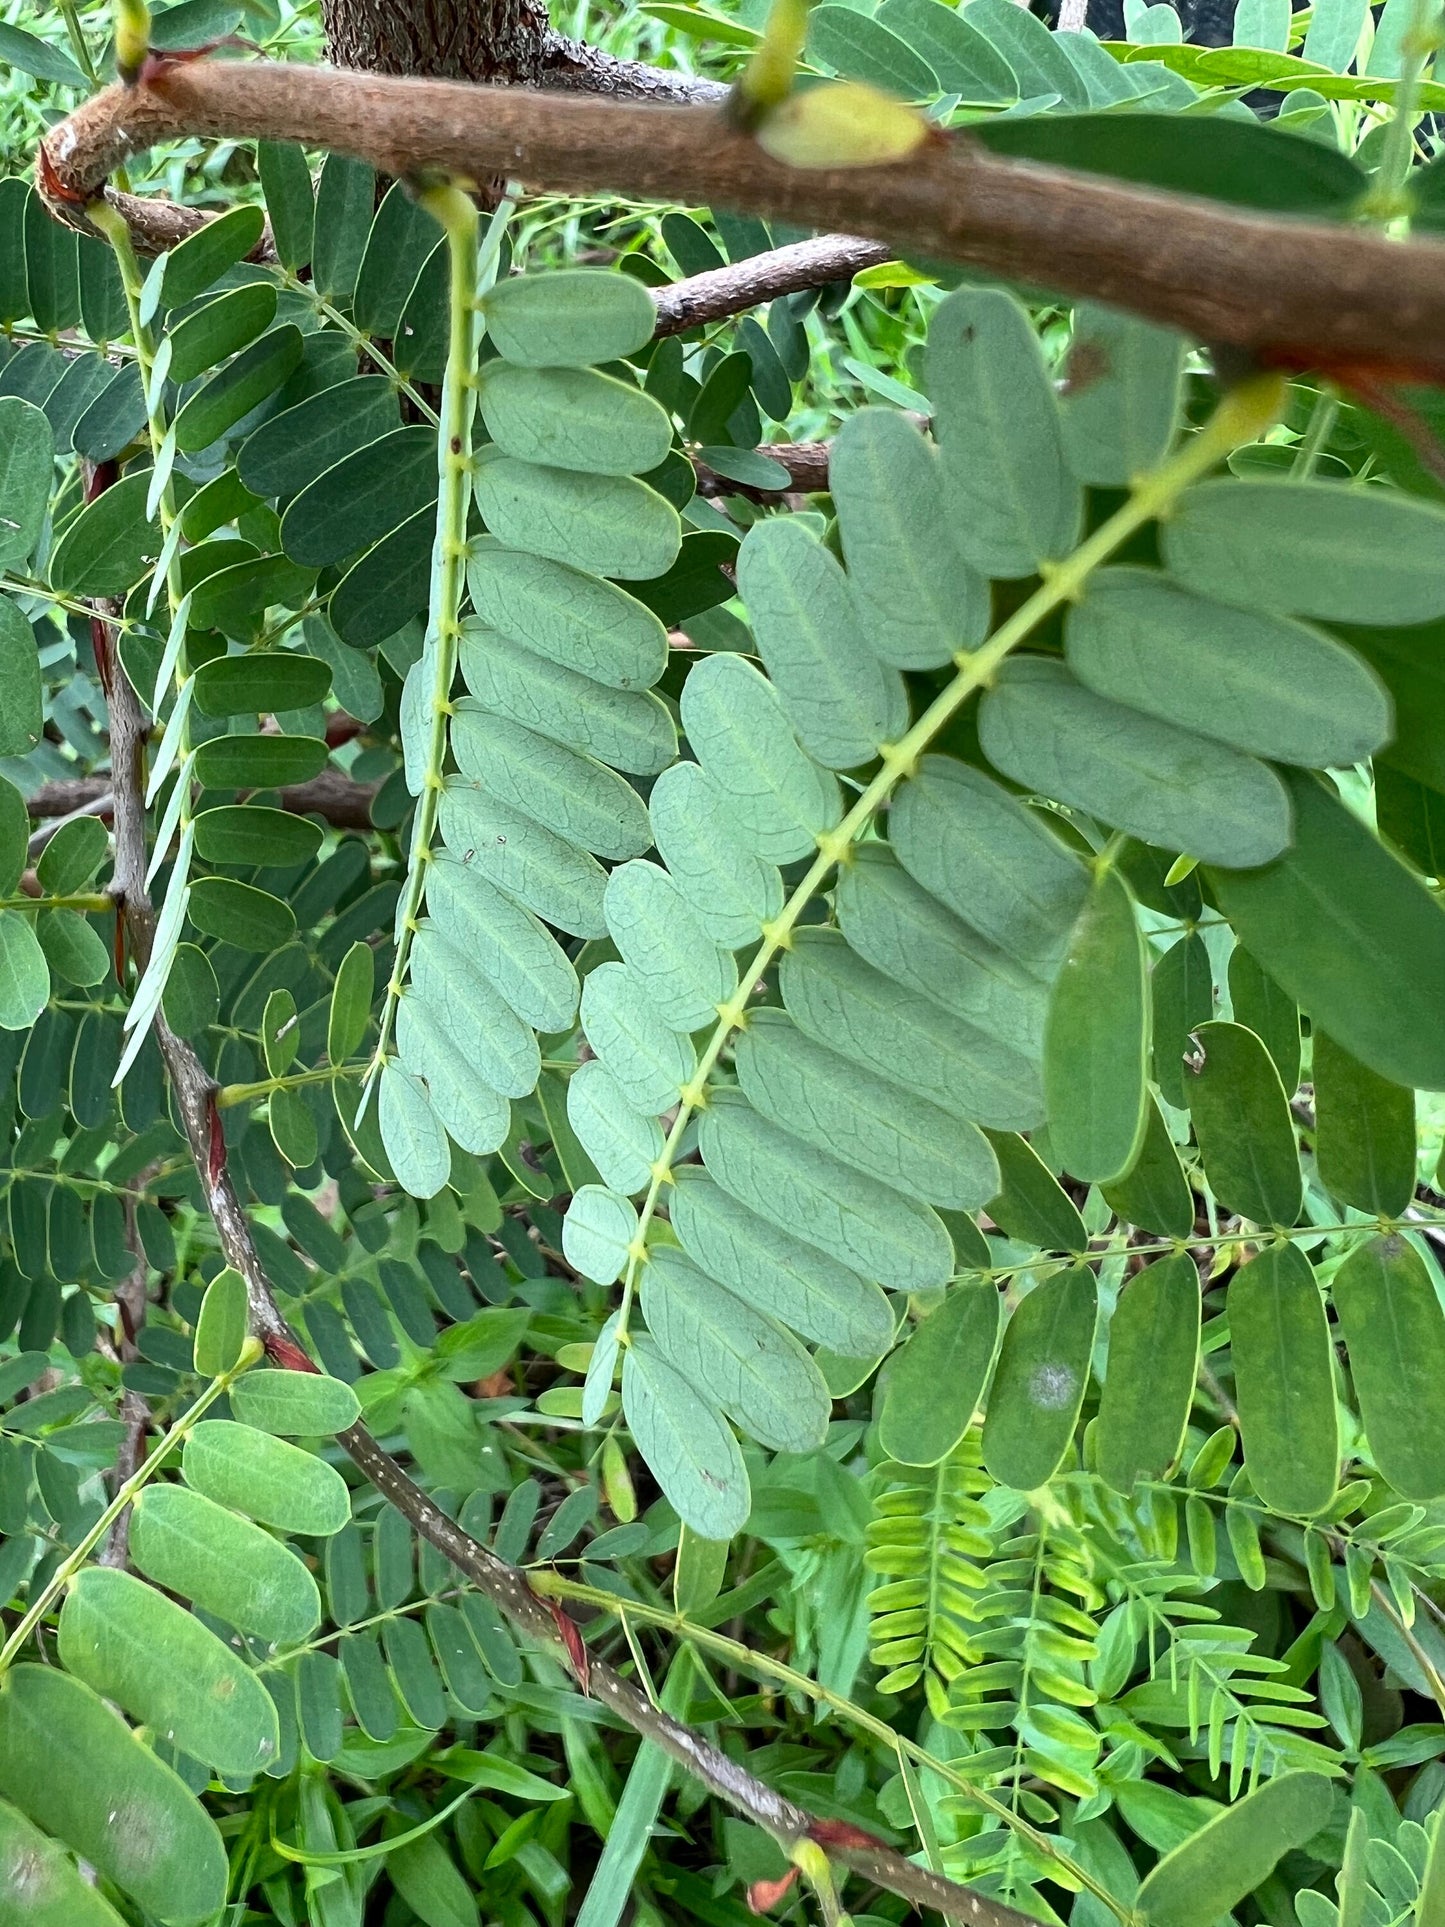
577,1655
287,1353
216,1150
764,1895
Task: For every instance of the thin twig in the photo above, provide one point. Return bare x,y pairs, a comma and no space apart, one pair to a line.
1220,274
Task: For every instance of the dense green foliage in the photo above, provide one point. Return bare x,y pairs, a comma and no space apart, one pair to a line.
869,1084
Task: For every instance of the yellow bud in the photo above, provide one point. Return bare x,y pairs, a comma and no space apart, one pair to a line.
617,1483
132,38
842,124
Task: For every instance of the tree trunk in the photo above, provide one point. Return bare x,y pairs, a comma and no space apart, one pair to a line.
489,40
476,40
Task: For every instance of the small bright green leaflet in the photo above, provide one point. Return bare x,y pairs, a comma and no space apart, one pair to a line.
873,1124
221,1327
1096,1040
621,1143
265,1478
1155,1194
1153,1354
258,762
732,891
128,1641
1242,1121
573,418
853,1218
1310,549
991,860
918,600
552,877
64,1758
1015,503
1364,1132
1395,1333
842,701
194,1547
241,914
686,1442
1032,1205
1256,681
1235,1852
27,459
935,1381
757,1372
1351,935
296,1404
1165,785
1280,1347
1038,1388
842,1002
570,318
39,1877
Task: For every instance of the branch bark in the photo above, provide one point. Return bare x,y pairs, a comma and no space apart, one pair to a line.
194,1092
746,284
334,796
1219,274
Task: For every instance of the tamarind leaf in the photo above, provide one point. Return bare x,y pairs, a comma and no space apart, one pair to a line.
66,1758
570,318
1234,1852
1153,1355
776,1272
937,1377
1280,1349
1243,1124
1096,1039
155,1659
294,1404
39,1876
1364,1132
1154,1194
1394,1331
686,1441
1038,1388
265,1479
225,1564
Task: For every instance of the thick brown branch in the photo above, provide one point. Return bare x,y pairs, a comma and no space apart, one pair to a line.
745,284
333,796
504,1585
1217,273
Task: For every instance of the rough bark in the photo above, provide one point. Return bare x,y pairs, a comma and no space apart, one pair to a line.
1218,273
508,41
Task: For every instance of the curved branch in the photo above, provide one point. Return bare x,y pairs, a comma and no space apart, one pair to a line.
746,284
1295,293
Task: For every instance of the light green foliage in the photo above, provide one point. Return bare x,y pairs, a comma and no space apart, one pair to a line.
733,1073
